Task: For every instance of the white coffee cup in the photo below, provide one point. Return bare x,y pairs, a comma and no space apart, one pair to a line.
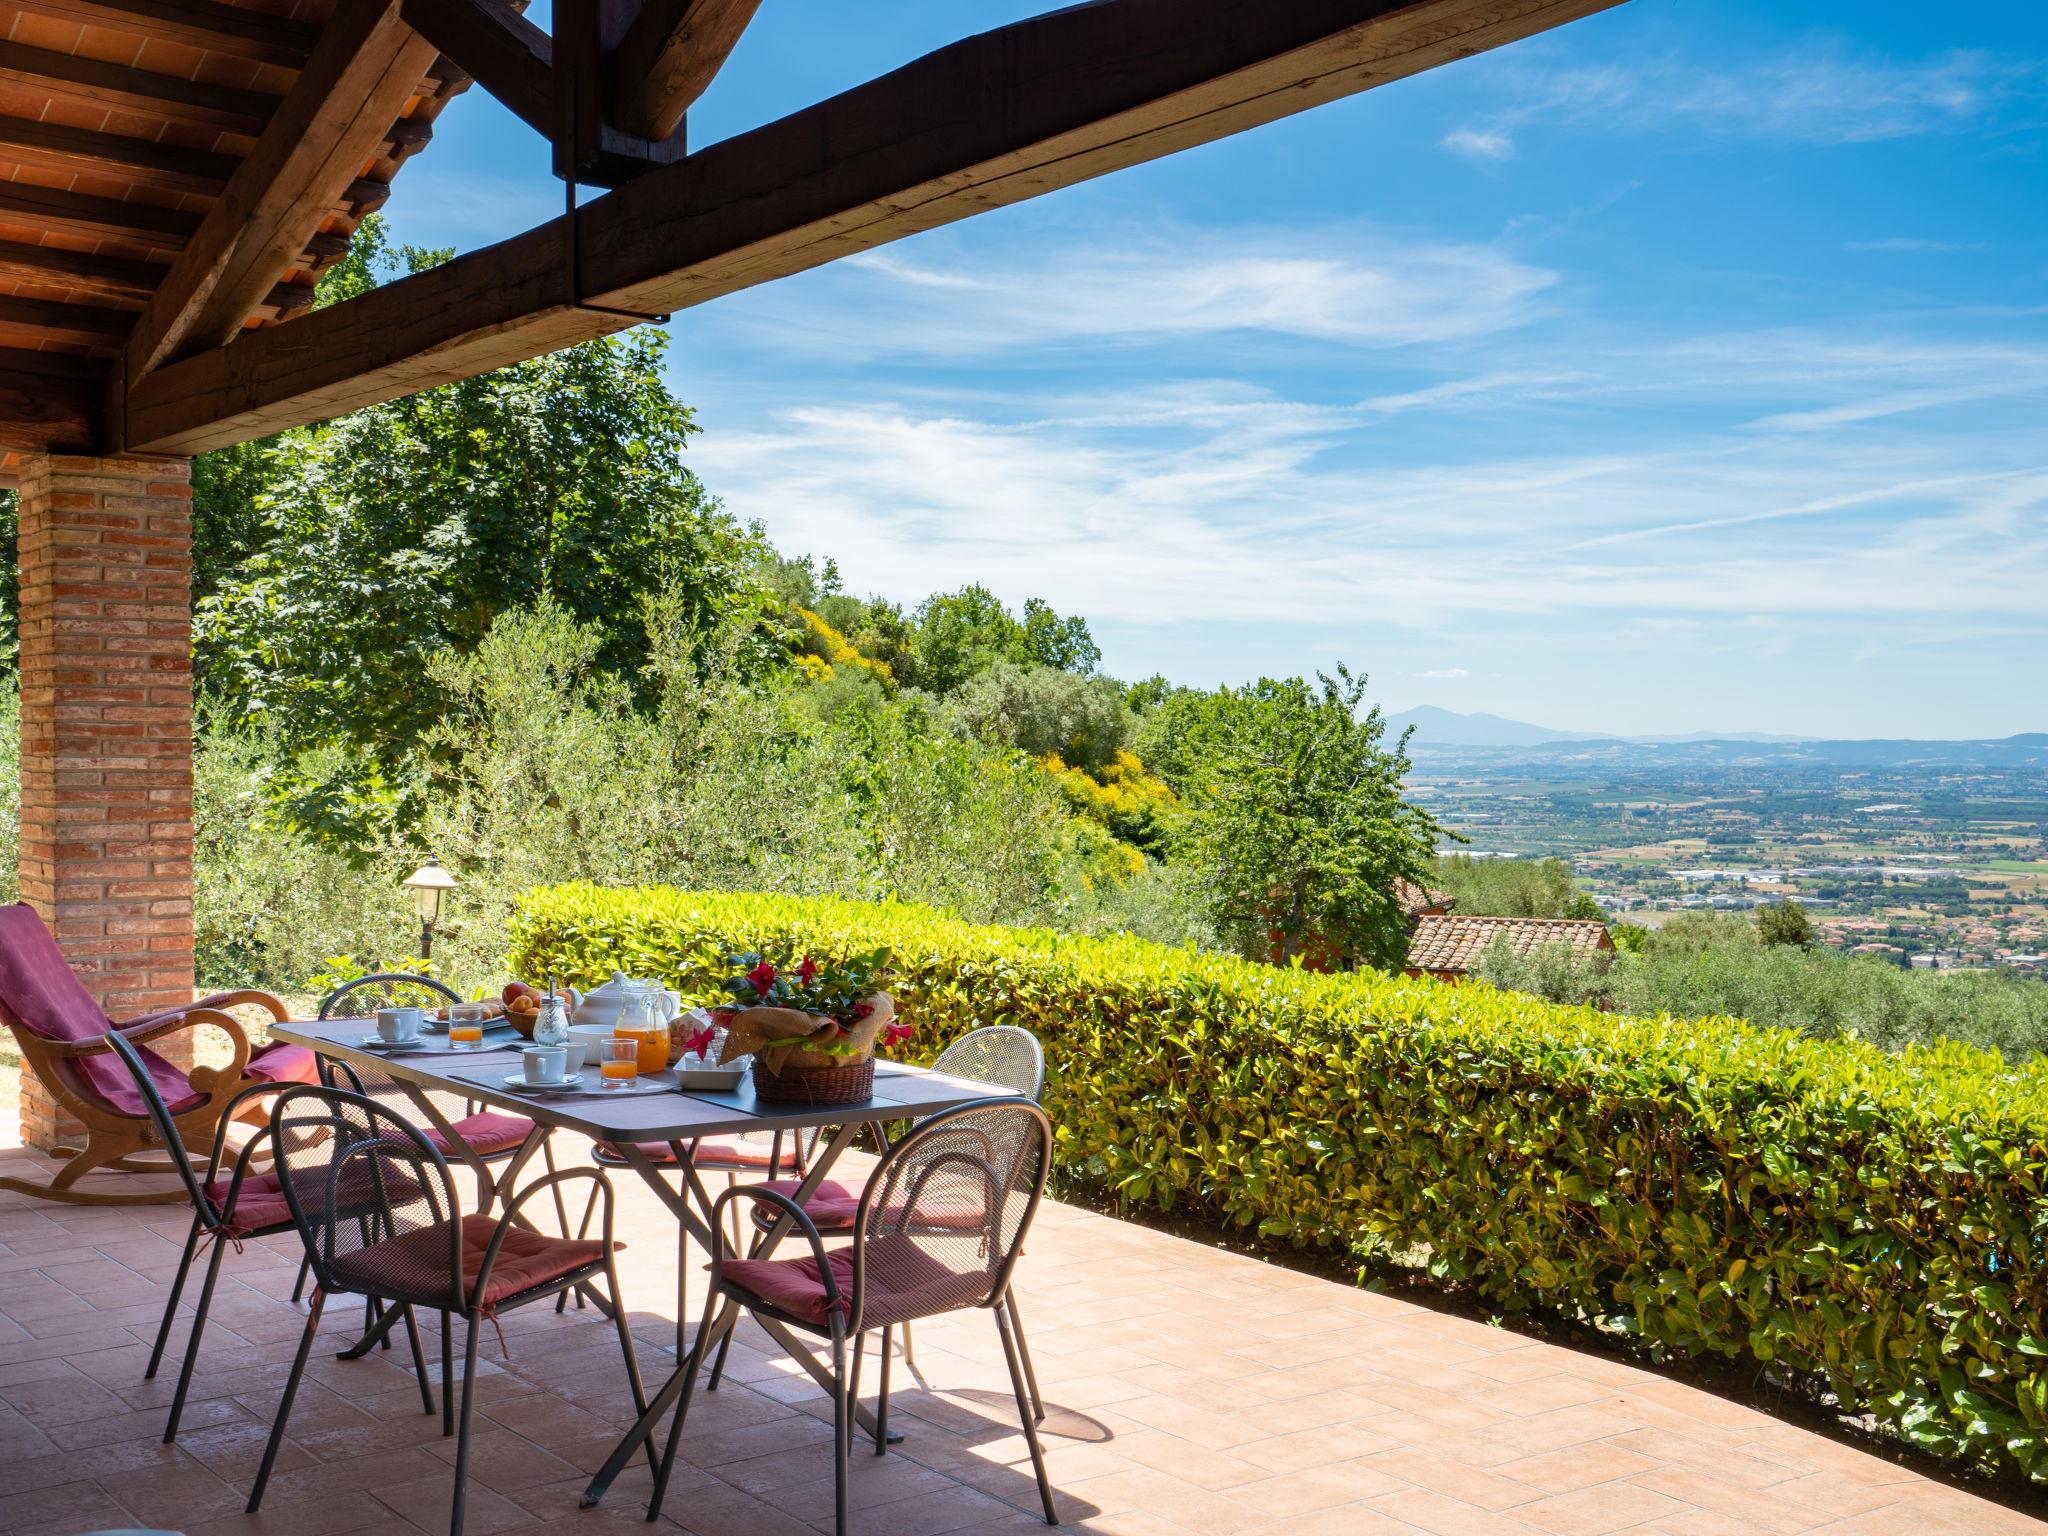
398,1026
577,1050
544,1063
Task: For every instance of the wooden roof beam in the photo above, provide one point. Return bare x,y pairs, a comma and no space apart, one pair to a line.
48,402
668,56
97,83
337,112
239,31
146,162
500,49
23,202
118,277
986,122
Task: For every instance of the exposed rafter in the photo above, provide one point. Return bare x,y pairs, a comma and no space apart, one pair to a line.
24,203
125,88
988,121
500,49
240,31
336,113
145,162
668,56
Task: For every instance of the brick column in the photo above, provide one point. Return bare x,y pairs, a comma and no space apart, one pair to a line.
106,731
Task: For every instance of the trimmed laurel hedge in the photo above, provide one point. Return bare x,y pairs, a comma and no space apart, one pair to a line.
1704,1187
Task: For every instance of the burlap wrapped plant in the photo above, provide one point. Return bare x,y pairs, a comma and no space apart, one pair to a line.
789,1039
809,1016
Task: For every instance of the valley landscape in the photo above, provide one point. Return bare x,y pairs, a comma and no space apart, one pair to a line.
1929,853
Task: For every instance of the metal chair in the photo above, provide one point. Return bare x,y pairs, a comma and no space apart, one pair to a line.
224,1213
938,1229
377,1210
490,1136
1000,1055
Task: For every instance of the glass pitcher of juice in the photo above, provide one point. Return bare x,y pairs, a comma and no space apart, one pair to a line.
641,1021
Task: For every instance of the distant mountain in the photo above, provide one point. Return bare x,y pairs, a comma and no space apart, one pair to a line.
1446,733
1447,728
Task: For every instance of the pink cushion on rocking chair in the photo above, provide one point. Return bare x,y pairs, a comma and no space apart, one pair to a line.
44,996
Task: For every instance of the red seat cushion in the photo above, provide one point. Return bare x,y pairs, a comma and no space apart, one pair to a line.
260,1203
415,1266
903,1281
282,1062
718,1156
485,1134
833,1207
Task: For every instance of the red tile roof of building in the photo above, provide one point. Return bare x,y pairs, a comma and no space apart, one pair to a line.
1442,944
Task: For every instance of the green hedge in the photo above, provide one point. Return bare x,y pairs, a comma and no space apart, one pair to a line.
1704,1187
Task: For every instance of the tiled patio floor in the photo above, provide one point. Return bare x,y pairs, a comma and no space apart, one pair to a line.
1190,1391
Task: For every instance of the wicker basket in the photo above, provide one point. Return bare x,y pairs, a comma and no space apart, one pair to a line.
853,1083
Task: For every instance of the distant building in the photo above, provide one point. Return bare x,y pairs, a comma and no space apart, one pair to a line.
1449,948
1417,902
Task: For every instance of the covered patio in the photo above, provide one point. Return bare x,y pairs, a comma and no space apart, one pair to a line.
1189,1392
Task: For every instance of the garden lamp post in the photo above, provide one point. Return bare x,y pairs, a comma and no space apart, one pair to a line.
428,884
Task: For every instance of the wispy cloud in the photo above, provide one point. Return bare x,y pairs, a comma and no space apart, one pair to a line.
1913,243
1445,672
1480,143
1348,286
1806,97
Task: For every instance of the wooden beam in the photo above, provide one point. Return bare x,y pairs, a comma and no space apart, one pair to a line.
117,86
79,151
500,49
334,117
77,323
986,122
667,58
239,31
117,277
109,277
22,202
40,413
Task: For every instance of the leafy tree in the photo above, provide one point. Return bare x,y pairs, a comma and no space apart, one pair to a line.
1784,922
1043,711
1048,640
406,529
1584,908
1507,887
1295,819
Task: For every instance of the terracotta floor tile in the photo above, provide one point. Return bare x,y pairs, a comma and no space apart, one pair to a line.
1190,1392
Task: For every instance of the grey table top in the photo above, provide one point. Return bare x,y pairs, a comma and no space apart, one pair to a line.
902,1092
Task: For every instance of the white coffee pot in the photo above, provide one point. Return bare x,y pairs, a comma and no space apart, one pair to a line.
601,1006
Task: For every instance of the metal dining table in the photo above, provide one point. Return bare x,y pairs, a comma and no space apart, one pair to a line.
659,1112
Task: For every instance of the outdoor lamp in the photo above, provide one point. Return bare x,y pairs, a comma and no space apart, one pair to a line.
428,884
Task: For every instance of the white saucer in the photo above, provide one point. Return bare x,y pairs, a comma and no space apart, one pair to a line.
521,1080
377,1043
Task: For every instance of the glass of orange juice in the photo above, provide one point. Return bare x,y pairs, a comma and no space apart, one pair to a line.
642,1022
466,1027
619,1062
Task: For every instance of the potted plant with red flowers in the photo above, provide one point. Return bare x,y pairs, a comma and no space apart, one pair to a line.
811,1026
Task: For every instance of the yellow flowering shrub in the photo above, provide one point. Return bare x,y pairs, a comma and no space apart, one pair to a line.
827,646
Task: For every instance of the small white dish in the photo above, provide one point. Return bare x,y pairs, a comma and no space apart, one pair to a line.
719,1079
521,1080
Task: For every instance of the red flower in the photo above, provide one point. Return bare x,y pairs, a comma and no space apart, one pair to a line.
807,972
862,1010
762,977
699,1044
896,1034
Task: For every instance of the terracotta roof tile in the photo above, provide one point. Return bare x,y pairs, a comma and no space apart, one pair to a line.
1456,943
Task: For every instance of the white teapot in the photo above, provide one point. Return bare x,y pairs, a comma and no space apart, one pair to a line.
601,1006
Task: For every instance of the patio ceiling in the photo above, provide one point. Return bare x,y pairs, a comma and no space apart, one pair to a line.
174,175
172,171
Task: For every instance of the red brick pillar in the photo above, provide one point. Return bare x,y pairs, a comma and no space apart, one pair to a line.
106,731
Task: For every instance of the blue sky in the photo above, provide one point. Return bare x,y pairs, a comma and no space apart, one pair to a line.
1683,369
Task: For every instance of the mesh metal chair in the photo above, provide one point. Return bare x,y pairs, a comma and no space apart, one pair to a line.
1000,1055
492,1137
376,1208
938,1229
225,1211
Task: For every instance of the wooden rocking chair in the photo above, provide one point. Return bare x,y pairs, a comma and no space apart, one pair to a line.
62,1034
